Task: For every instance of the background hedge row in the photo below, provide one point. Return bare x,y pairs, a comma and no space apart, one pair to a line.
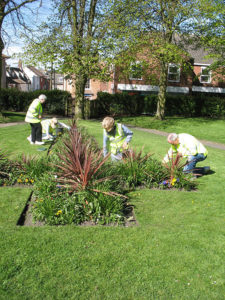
196,105
14,100
59,103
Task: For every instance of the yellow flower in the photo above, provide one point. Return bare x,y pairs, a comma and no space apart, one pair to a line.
26,180
59,212
31,180
173,181
19,180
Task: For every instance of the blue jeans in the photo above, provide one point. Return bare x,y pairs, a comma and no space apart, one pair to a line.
192,161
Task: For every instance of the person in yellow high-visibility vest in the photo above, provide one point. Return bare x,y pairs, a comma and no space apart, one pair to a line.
48,127
188,147
116,138
33,117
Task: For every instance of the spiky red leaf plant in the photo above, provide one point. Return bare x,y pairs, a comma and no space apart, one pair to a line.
134,155
81,167
174,165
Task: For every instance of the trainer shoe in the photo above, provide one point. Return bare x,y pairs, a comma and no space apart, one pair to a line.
206,169
39,143
32,143
29,139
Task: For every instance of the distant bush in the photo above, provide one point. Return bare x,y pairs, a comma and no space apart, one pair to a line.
197,105
15,100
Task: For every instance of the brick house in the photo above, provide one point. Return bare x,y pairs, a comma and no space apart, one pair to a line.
199,79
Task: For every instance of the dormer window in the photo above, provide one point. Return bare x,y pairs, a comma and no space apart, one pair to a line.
205,76
174,73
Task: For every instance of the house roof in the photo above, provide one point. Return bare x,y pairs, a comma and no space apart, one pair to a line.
16,76
199,56
5,56
36,71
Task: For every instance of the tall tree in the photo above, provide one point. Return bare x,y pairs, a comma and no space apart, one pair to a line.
10,8
210,31
159,28
74,39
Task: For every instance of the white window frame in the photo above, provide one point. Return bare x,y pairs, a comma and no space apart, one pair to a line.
205,75
174,73
88,85
131,73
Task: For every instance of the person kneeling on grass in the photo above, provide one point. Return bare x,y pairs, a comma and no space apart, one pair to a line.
48,127
189,147
116,137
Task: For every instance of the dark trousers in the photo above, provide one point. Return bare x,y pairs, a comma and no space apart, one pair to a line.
36,132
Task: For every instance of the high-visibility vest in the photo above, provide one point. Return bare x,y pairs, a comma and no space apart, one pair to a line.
188,146
46,126
117,140
34,111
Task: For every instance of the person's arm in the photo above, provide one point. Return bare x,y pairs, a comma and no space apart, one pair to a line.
63,125
169,155
47,130
129,134
105,144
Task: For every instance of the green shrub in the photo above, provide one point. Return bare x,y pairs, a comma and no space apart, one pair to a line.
14,100
195,105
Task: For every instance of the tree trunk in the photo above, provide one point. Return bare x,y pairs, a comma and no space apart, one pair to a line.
1,65
160,113
79,97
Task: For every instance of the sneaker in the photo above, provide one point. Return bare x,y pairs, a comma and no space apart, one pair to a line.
39,143
206,169
32,143
29,139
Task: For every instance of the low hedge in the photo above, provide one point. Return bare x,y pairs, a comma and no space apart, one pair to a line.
15,100
198,105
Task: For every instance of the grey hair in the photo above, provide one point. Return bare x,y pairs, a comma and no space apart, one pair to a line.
172,137
42,97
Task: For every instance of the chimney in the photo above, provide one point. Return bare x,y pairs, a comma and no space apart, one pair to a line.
20,64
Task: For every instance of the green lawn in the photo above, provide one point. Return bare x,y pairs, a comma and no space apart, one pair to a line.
8,116
203,128
176,252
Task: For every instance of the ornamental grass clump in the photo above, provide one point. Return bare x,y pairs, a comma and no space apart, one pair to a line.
140,170
175,177
9,170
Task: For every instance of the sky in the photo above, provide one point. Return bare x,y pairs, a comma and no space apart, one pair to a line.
14,44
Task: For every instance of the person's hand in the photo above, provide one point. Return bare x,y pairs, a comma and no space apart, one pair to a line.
39,117
125,145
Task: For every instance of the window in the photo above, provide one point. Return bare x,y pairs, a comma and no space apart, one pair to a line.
205,75
87,86
60,79
136,71
173,73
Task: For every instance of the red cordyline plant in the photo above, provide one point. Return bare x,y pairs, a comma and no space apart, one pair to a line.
174,165
80,164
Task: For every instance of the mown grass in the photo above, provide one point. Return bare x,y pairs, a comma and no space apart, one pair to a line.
8,116
176,252
203,128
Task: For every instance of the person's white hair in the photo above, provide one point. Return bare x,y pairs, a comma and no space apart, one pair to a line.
54,122
42,97
172,137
